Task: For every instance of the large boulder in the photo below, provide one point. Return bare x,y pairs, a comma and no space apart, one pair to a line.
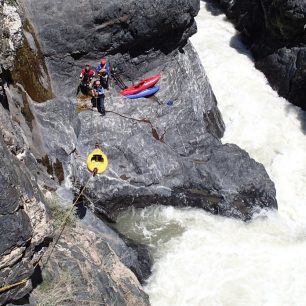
172,155
158,153
275,32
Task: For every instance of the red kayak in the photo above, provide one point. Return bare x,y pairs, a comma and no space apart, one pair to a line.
140,86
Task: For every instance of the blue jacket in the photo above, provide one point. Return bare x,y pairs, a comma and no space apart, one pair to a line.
107,68
99,90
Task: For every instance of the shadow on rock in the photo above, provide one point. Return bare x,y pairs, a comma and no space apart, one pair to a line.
301,116
213,7
236,43
80,211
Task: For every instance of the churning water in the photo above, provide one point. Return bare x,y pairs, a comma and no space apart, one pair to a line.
205,260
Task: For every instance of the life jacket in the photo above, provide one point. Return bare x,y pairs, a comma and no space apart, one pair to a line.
99,89
87,75
106,67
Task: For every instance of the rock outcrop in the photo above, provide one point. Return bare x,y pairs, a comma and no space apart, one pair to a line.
276,34
26,172
77,276
159,152
170,155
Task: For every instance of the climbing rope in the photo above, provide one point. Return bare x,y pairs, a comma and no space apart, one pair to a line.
128,117
8,287
63,225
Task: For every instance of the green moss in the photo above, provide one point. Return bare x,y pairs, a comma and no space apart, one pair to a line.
11,2
59,213
30,68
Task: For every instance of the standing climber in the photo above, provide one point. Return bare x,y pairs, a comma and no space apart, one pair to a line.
98,96
103,71
86,77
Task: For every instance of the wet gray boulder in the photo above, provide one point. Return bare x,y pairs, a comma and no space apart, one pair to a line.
172,155
276,34
158,153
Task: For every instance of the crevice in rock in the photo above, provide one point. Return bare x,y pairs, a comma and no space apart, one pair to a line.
5,78
55,169
26,110
144,120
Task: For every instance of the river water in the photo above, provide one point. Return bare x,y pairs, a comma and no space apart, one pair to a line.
205,260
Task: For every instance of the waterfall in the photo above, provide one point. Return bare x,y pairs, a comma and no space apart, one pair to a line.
202,260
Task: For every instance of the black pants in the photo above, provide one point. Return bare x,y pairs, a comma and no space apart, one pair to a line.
100,104
104,82
84,88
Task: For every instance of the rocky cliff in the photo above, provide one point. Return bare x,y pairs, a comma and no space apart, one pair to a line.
162,150
159,154
27,174
276,34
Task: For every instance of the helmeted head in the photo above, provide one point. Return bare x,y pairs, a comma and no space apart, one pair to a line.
87,67
103,61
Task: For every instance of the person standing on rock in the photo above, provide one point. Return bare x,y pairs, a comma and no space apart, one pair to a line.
86,77
98,96
103,71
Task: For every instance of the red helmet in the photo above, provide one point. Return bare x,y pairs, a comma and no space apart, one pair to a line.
103,61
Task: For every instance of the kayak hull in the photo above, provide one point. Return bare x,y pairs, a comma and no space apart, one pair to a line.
140,86
145,93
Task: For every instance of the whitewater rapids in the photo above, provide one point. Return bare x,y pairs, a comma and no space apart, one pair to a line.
205,260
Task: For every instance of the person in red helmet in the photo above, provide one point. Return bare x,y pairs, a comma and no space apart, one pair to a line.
103,71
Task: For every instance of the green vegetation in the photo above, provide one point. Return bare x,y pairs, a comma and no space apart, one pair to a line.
64,289
59,213
11,2
55,291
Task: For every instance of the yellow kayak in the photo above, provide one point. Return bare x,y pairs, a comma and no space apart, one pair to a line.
97,160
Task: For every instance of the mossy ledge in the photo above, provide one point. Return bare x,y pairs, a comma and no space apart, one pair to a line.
30,69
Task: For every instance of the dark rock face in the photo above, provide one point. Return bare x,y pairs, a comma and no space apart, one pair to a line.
92,29
275,31
23,224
